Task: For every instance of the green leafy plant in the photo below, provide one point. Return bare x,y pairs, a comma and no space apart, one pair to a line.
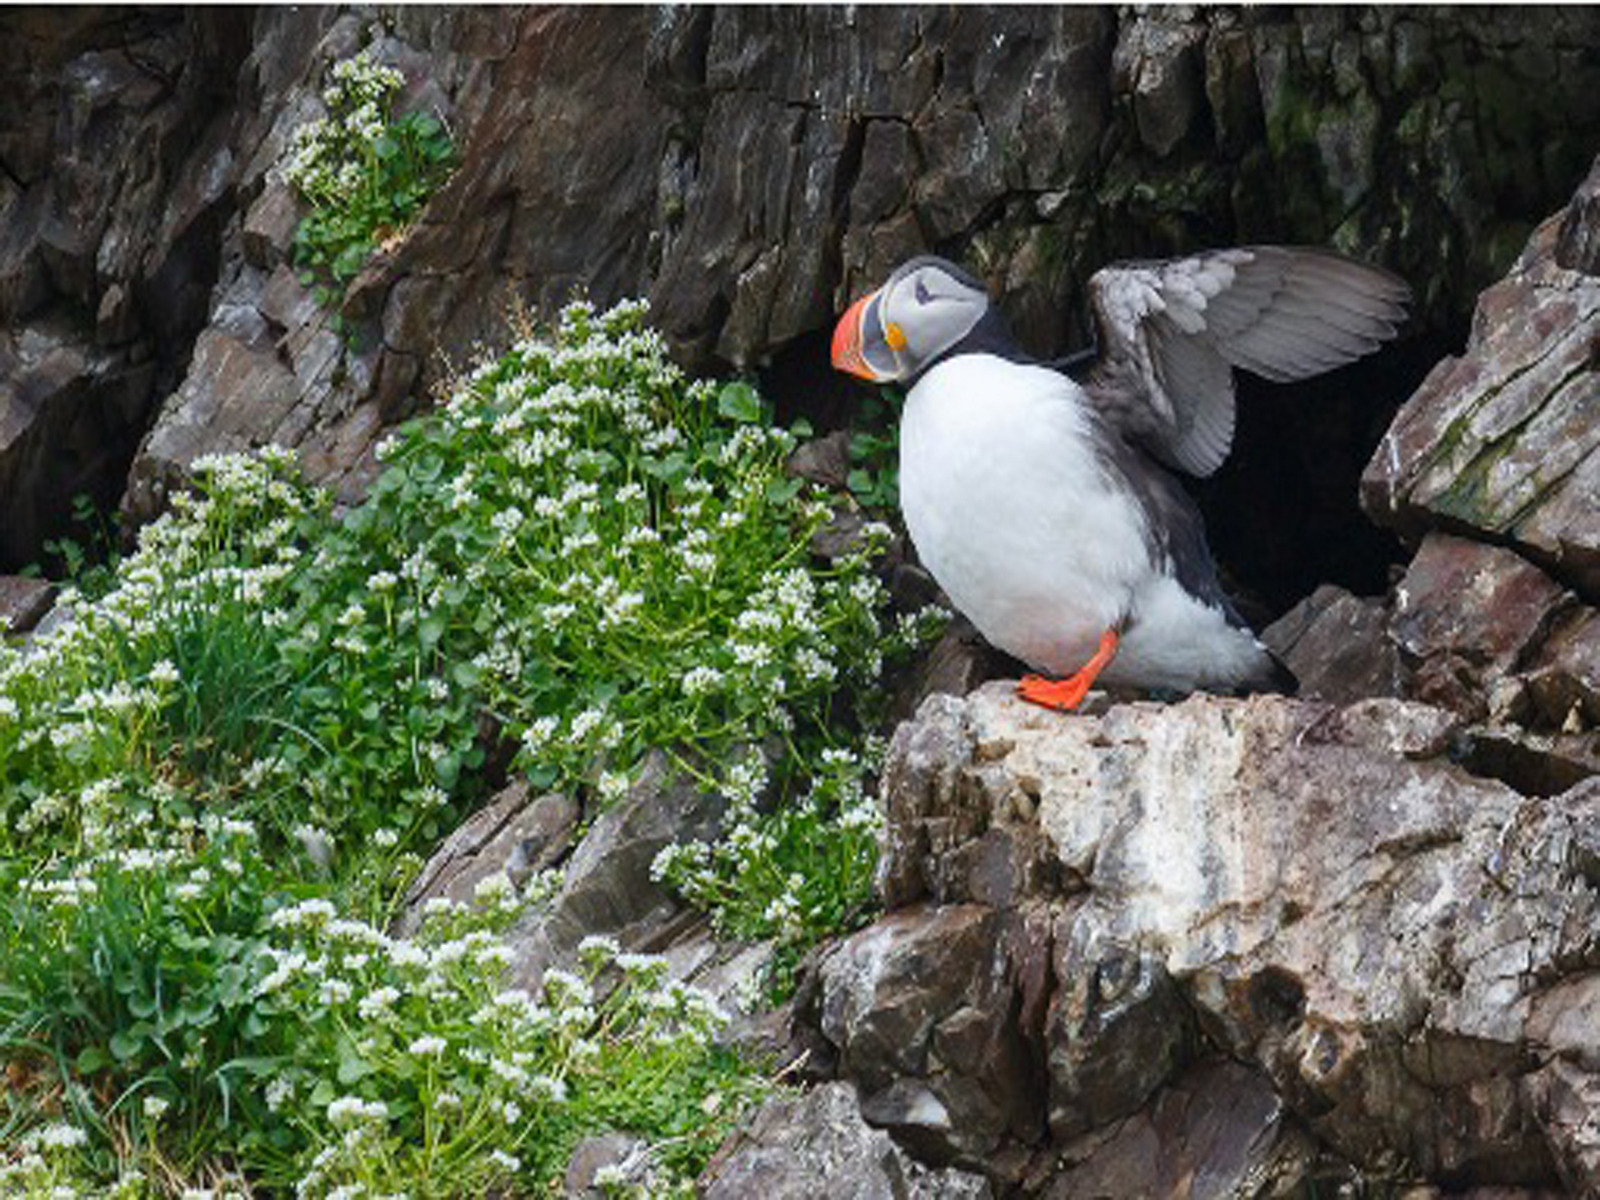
583,553
795,874
128,978
365,172
417,1048
874,477
90,564
172,1014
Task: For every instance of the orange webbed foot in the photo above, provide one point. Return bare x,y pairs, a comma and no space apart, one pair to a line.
1064,695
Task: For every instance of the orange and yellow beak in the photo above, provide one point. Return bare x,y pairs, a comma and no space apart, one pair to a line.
847,338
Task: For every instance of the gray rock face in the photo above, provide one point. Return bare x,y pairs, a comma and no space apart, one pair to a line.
515,835
270,367
1398,951
112,199
1338,647
798,1148
621,1151
22,602
1218,1132
606,886
69,416
748,170
1504,440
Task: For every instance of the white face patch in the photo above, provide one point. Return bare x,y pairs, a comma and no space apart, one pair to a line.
926,310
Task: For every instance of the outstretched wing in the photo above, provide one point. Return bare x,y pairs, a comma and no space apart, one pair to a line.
1171,333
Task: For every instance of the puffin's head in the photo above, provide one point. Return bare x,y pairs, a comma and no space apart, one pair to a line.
896,332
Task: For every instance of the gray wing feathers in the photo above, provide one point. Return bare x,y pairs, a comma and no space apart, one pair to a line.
1171,332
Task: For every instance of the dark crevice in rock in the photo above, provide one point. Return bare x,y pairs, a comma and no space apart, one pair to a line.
844,179
1278,999
1536,765
800,381
1283,514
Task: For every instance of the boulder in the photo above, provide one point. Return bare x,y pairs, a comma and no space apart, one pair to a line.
516,835
1503,442
920,1008
1338,646
1399,949
817,1144
23,601
1467,616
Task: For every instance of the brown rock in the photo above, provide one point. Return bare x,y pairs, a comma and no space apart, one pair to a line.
1466,617
1564,678
1219,1132
1159,63
824,460
116,186
1118,1027
919,1007
23,602
1344,911
1338,647
1504,439
1578,241
238,394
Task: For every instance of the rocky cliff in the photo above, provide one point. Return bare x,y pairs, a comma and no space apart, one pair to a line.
1217,948
747,169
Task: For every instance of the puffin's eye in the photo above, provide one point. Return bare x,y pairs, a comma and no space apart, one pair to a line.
921,292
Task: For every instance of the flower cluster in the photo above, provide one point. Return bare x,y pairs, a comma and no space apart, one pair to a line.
349,1058
218,777
644,559
422,1073
365,172
327,157
793,874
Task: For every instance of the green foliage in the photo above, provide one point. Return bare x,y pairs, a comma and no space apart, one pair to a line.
794,874
90,565
318,1052
417,1047
874,477
130,977
365,172
582,552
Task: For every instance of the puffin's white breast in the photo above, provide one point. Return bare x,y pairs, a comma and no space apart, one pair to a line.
1042,543
1013,512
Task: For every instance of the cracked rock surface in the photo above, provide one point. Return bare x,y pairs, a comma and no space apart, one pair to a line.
1398,956
1505,440
747,169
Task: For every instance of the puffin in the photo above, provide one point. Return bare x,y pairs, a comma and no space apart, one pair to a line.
1050,510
